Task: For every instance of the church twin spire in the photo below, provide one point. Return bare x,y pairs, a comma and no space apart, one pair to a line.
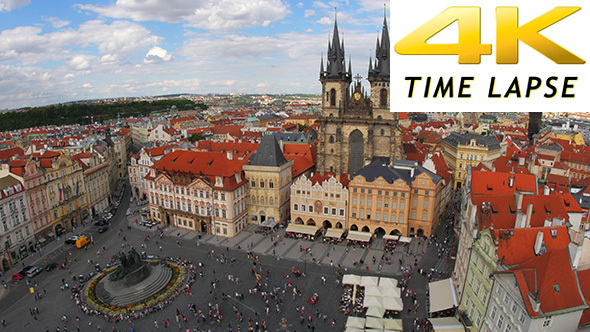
336,60
381,67
336,64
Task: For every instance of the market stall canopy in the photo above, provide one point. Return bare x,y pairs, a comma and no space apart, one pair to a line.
376,312
302,229
446,324
393,324
357,322
351,279
391,237
374,323
369,281
393,303
442,295
334,232
268,223
405,239
359,236
373,291
387,282
372,301
355,329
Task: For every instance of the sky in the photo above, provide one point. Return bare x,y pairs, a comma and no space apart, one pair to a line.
55,51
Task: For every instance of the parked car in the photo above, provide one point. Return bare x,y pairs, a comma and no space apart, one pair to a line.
18,276
50,267
72,239
103,229
33,272
100,223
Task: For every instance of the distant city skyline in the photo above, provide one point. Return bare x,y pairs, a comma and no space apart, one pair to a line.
61,51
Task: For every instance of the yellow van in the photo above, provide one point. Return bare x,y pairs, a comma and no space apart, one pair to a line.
82,241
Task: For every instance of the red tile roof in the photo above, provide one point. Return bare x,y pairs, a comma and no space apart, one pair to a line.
559,179
544,207
502,214
302,156
498,183
545,274
576,157
9,153
508,164
584,277
518,247
195,163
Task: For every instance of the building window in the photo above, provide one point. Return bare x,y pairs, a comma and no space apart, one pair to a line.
383,98
547,322
402,205
424,216
493,314
426,204
333,211
326,210
401,219
378,217
378,203
331,139
415,202
271,201
261,183
303,208
333,97
522,318
385,217
310,208
354,214
362,201
501,322
342,212
271,184
369,201
386,204
414,215
354,200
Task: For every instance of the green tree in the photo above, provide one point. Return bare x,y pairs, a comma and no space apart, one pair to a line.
195,137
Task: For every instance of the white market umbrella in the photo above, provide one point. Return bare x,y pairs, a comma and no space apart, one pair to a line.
351,279
369,281
374,323
392,303
376,312
389,292
393,324
387,282
373,291
355,322
372,301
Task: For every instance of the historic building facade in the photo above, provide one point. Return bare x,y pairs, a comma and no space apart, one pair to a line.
269,176
320,200
16,233
355,128
202,191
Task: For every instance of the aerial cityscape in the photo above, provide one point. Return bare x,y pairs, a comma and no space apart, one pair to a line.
247,210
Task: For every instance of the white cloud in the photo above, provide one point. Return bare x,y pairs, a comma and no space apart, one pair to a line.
309,30
343,17
87,85
203,14
300,4
262,85
157,55
80,62
309,12
325,21
319,4
8,5
371,5
57,22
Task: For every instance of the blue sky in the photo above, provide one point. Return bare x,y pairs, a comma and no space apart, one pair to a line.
61,50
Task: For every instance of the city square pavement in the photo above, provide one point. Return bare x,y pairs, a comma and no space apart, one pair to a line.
321,260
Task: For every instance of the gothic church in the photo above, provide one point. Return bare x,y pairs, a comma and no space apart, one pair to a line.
356,129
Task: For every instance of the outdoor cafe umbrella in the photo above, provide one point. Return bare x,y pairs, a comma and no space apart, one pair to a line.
392,303
376,312
373,291
393,324
355,322
374,323
369,281
387,282
351,279
372,301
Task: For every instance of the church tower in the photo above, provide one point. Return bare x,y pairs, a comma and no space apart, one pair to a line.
335,79
356,129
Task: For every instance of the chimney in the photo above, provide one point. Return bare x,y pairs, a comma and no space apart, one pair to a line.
529,213
520,160
412,172
538,243
519,196
546,190
230,155
511,181
281,144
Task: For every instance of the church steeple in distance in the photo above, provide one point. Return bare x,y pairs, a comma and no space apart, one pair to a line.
336,64
381,66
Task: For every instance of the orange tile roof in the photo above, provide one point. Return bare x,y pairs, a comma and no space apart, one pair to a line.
519,247
508,164
543,274
544,207
498,183
195,163
9,153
